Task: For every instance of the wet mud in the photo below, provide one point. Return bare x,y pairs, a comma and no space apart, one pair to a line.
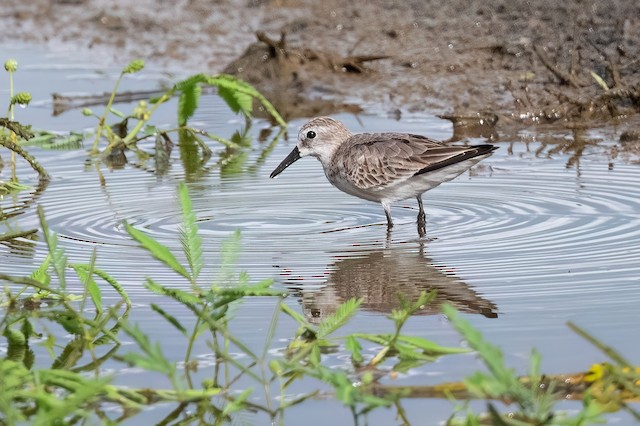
523,62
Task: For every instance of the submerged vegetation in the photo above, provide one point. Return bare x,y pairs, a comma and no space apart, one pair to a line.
67,325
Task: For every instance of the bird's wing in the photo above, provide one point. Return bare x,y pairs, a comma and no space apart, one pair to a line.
378,159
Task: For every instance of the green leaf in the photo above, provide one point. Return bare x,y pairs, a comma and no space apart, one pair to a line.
169,318
42,274
232,83
17,344
176,294
69,321
295,315
405,352
150,130
190,81
152,357
189,237
116,112
115,284
430,348
157,250
491,355
236,100
380,339
188,102
237,403
407,364
84,272
355,348
315,357
339,318
71,353
57,254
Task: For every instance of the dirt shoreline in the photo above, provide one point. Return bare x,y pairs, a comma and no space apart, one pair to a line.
526,62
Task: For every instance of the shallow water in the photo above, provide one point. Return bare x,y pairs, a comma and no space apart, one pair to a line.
523,243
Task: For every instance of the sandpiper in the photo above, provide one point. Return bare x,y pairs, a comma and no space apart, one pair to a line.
382,167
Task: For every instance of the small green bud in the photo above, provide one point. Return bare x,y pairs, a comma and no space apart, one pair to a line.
140,112
367,378
133,67
87,112
22,98
11,65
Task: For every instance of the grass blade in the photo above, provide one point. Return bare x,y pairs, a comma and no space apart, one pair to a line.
170,318
157,250
57,255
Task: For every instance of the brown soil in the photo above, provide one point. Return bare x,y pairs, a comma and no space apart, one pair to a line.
524,61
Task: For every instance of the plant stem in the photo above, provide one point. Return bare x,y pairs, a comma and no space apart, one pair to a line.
15,148
14,175
104,115
132,134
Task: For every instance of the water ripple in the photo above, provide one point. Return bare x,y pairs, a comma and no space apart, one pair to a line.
524,238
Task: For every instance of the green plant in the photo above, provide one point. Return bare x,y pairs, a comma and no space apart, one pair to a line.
534,398
237,94
27,388
73,389
12,133
358,389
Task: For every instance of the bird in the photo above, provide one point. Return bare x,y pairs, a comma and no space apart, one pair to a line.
382,167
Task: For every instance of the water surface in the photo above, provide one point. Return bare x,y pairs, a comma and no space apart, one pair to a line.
531,238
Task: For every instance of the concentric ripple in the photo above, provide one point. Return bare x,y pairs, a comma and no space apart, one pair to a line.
524,239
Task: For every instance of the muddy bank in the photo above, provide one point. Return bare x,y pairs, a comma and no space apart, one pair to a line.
524,61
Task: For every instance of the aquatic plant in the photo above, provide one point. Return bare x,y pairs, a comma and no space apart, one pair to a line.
12,133
238,95
75,389
535,395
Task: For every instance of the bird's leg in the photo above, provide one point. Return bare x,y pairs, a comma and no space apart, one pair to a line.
422,219
387,212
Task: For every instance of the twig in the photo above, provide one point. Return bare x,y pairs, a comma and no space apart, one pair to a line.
565,78
62,103
30,159
18,234
277,48
613,67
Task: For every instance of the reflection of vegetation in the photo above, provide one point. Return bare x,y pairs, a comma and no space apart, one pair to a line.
12,234
74,389
234,158
193,148
238,95
576,142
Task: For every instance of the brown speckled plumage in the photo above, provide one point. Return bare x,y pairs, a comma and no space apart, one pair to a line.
382,167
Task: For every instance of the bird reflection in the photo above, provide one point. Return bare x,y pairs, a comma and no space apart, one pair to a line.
379,275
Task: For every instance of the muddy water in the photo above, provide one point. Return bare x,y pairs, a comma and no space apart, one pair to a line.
523,244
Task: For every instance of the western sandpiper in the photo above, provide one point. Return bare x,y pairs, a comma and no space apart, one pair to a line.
382,167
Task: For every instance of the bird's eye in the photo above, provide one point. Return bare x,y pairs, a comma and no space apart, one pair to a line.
311,134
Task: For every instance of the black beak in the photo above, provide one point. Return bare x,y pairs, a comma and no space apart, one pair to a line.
293,156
